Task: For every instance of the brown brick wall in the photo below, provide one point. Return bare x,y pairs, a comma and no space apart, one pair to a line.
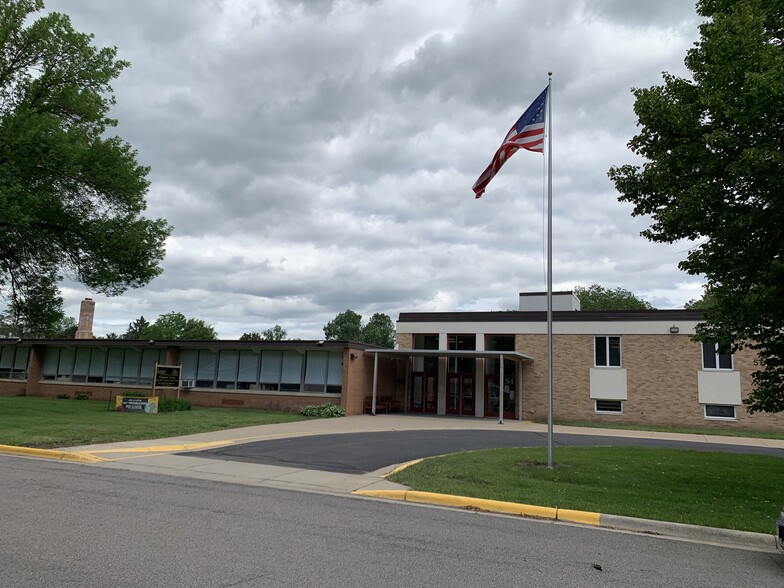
661,382
358,373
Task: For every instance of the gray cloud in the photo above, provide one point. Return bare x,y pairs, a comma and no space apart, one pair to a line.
315,156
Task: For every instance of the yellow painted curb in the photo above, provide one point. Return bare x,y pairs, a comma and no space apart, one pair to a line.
403,466
50,454
164,448
580,516
528,510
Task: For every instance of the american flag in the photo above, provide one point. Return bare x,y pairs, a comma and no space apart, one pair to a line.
527,133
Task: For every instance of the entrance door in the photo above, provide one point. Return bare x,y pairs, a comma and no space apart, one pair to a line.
460,394
424,392
492,394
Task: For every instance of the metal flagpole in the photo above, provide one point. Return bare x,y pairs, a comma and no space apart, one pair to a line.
549,270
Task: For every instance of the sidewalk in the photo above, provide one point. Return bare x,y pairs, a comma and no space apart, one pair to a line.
161,456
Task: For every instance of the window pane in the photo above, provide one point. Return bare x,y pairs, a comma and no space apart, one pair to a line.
270,369
114,365
66,362
227,368
719,412
21,358
609,406
149,359
500,342
291,373
601,351
615,351
130,370
97,362
725,361
6,357
335,370
709,355
82,363
249,366
51,359
189,359
316,367
206,371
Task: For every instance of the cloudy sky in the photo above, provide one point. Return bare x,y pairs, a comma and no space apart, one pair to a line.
318,155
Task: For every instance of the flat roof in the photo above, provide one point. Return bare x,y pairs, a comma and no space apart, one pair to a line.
513,355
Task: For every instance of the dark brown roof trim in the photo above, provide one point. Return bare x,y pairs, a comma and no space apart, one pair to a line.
562,316
313,345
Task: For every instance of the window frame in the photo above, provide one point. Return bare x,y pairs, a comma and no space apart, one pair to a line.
597,410
717,355
720,418
606,343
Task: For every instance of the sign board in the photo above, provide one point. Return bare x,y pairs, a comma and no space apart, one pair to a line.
166,376
148,404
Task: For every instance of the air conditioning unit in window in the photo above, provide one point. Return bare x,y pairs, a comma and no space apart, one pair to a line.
187,383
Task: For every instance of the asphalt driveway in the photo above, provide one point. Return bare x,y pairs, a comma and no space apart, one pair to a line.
359,453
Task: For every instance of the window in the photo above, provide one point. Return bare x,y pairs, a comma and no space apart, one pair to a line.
291,372
607,351
716,356
462,365
720,412
13,362
247,373
335,373
227,369
270,370
609,406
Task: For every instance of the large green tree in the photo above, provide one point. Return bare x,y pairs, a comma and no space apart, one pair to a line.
714,174
347,326
170,326
276,333
71,194
597,297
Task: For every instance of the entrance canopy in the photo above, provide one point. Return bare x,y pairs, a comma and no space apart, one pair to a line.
514,356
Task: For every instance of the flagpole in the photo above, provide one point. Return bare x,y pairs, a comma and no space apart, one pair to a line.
549,270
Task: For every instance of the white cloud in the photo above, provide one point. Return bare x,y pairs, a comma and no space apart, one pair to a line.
319,156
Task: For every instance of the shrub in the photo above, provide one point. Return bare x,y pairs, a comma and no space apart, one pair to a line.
173,404
63,396
324,411
81,397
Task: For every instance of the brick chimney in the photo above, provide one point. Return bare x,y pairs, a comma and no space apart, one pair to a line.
86,314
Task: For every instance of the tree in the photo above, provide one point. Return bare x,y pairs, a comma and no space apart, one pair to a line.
71,195
347,326
704,302
379,330
170,326
137,329
714,174
276,333
596,297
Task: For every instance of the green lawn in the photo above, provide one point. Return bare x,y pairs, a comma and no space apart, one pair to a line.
727,432
49,422
732,491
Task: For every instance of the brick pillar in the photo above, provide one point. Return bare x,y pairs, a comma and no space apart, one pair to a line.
86,314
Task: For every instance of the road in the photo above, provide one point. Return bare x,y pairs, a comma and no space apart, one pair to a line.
67,524
354,453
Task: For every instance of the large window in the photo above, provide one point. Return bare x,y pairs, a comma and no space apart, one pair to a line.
430,363
13,362
462,365
607,351
716,356
97,365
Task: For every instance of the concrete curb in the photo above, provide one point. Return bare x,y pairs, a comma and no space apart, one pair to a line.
50,454
714,535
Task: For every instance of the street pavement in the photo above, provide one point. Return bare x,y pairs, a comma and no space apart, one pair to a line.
353,454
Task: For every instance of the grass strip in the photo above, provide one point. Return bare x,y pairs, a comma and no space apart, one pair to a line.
724,432
49,422
732,491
